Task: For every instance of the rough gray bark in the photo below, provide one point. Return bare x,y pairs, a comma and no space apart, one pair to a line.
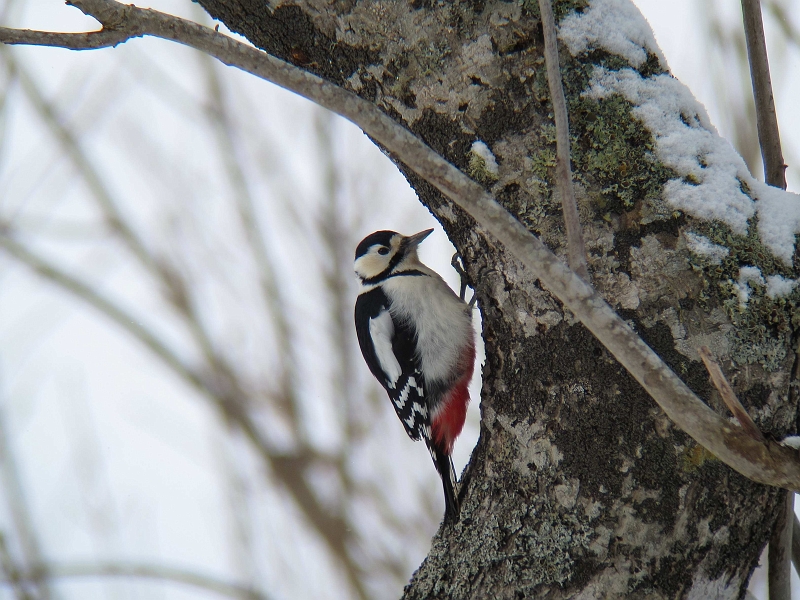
579,486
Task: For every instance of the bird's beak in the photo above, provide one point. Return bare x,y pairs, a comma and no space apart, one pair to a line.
413,241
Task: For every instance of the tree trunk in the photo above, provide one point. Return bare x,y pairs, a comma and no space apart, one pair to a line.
579,486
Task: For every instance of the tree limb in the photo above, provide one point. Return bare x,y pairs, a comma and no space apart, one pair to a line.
767,463
575,246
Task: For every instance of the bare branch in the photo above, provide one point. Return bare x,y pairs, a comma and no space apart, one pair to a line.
774,174
779,574
144,571
766,118
727,394
572,223
796,543
106,38
767,463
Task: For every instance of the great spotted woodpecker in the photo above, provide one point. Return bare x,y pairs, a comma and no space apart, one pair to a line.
417,339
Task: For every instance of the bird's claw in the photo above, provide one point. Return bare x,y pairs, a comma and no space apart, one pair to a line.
458,264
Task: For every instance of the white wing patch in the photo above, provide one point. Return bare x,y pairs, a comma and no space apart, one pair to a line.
381,330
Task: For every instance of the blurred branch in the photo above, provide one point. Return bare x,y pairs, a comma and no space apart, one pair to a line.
224,390
78,156
784,21
337,253
732,82
218,115
169,278
142,571
12,573
767,463
575,246
18,507
94,298
766,118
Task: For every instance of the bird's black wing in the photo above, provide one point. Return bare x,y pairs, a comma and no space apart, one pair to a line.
388,345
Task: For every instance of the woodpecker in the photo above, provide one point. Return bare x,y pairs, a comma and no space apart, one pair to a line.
416,336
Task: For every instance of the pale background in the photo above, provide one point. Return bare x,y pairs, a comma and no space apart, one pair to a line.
107,454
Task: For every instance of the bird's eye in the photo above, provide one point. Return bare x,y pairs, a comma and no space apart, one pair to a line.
383,250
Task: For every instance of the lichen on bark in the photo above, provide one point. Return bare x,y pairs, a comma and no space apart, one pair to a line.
579,485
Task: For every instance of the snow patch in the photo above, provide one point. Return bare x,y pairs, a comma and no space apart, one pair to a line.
748,276
711,174
481,150
778,287
778,219
616,26
702,246
710,168
793,441
751,275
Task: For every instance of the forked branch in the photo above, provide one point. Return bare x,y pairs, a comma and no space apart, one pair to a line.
728,396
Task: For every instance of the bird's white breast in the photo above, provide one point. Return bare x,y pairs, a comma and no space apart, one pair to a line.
443,322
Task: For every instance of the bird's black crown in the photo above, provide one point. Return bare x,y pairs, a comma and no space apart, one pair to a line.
379,237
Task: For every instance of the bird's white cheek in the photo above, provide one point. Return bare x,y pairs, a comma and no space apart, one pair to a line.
370,265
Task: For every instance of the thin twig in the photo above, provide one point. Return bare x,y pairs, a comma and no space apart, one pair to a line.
779,573
796,543
144,571
766,118
769,138
575,246
728,396
767,463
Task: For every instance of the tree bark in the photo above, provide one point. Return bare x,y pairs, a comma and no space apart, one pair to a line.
579,486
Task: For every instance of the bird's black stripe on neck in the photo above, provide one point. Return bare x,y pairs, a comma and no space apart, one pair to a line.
384,276
386,273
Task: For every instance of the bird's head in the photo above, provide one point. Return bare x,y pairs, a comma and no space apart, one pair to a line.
385,252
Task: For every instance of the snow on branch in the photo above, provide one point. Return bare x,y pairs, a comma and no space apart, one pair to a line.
768,463
714,182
